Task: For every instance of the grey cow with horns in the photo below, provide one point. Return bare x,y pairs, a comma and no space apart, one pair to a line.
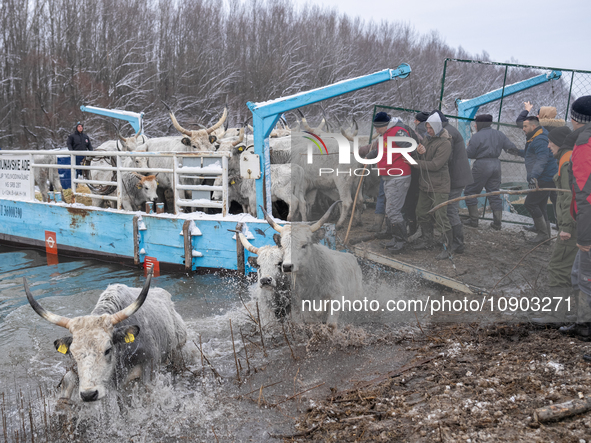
118,342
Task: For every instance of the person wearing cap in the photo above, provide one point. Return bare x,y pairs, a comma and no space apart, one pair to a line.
420,128
79,141
565,248
541,168
434,185
484,148
459,176
394,172
580,183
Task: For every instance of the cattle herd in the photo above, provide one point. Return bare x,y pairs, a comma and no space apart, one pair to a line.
294,181
131,332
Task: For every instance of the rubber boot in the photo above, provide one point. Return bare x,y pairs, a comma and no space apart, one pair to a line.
378,221
399,239
388,233
530,228
542,230
458,244
582,328
497,219
449,239
412,227
425,241
473,213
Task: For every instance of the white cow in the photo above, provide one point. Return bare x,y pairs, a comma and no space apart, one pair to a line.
273,284
127,335
319,274
43,176
200,140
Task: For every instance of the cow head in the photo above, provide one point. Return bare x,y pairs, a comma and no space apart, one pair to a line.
148,185
268,262
132,143
271,279
94,342
201,139
297,239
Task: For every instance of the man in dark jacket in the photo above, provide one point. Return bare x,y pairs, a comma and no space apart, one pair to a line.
79,141
541,167
459,176
580,182
485,147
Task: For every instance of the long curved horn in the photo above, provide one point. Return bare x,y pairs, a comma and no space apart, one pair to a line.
132,308
305,122
356,127
179,127
219,123
175,123
240,137
247,244
347,136
52,318
271,221
320,222
322,123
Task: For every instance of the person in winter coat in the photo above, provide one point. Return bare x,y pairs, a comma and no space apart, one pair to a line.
485,147
459,176
580,183
565,248
395,175
541,167
409,210
434,185
79,141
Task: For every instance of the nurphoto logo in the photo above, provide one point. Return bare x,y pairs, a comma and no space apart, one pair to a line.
393,146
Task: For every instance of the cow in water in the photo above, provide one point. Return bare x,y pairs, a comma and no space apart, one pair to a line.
319,274
274,285
118,342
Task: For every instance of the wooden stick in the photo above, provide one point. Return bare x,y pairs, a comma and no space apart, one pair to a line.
299,393
354,204
297,434
216,373
563,410
488,194
245,350
202,364
262,387
285,335
261,330
234,349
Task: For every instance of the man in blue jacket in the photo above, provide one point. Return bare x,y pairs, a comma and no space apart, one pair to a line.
541,167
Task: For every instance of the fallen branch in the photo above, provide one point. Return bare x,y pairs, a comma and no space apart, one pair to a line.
297,434
489,194
299,393
563,410
390,374
262,387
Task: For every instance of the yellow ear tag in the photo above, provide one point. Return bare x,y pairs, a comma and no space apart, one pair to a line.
241,148
139,186
129,338
63,349
232,182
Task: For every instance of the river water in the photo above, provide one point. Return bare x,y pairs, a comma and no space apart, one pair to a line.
171,408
